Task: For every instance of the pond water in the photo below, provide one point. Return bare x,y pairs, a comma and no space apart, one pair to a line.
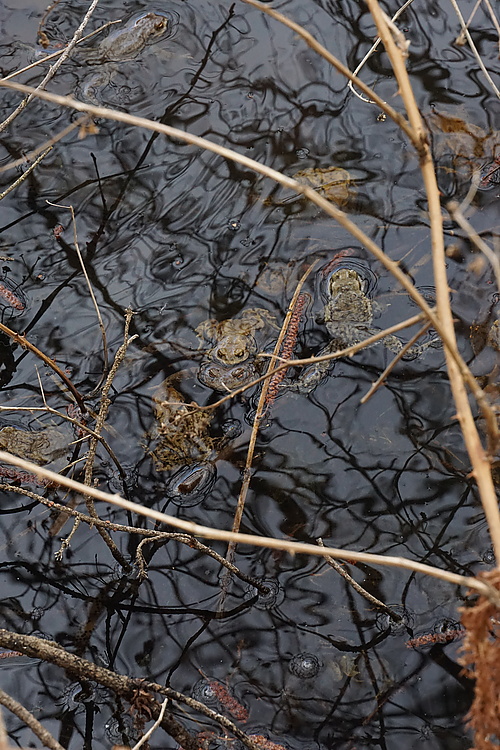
184,237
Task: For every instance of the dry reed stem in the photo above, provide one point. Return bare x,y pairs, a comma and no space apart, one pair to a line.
261,407
54,68
383,376
27,718
25,174
480,461
317,47
473,47
251,539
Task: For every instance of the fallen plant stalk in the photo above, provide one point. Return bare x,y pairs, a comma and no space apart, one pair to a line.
251,539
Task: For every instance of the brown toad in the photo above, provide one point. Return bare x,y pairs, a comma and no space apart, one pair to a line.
40,446
182,432
121,45
348,316
232,359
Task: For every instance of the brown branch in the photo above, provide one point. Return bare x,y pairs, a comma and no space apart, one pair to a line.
261,407
25,344
121,685
27,717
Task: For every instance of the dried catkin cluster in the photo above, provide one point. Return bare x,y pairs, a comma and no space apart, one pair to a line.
481,657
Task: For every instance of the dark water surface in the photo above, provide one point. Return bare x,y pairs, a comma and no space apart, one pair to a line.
180,236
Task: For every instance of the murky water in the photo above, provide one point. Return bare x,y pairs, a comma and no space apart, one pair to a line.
182,236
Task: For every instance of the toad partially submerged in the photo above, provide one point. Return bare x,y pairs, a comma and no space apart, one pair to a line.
40,446
182,433
348,316
121,44
232,359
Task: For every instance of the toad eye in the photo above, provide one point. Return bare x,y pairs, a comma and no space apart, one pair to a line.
238,373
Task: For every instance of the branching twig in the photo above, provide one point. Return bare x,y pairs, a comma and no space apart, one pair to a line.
25,174
25,344
54,68
101,418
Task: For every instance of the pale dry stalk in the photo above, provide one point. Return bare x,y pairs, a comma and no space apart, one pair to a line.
479,459
261,407
251,539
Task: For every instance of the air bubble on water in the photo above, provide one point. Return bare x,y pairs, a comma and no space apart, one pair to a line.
304,665
272,598
234,224
400,622
302,153
204,692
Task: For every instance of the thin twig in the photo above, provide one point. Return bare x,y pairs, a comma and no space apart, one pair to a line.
494,21
79,123
59,52
155,726
261,407
458,217
25,344
91,292
54,68
478,456
473,47
25,174
372,50
27,718
251,539
393,363
357,587
461,38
